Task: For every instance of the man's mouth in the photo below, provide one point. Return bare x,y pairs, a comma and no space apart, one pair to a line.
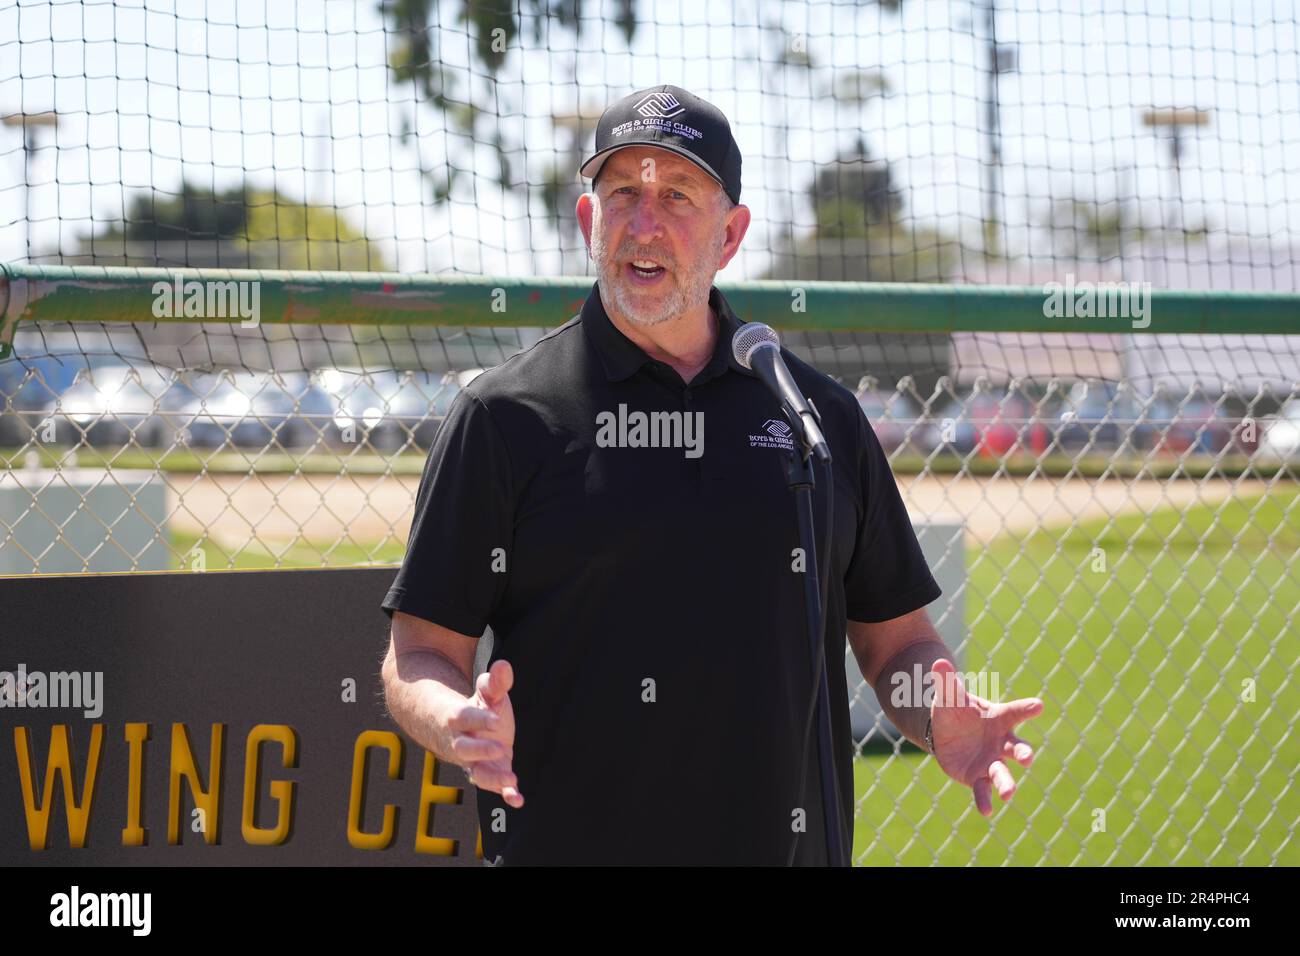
645,270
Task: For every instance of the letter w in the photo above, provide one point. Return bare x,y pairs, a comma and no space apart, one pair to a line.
58,764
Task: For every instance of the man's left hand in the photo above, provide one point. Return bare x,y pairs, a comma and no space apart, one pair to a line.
973,737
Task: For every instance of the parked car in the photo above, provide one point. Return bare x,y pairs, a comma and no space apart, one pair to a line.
896,419
384,409
390,409
111,405
1102,417
28,386
1280,435
254,410
994,423
1193,425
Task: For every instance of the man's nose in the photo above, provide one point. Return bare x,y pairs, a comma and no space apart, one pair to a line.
645,224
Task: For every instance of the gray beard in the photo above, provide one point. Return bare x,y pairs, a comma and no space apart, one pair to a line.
692,290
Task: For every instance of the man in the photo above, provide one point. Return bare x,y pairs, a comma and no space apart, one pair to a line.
612,501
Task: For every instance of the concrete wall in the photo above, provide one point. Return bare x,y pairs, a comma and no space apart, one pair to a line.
82,519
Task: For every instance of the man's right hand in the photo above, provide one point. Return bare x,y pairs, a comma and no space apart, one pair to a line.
484,732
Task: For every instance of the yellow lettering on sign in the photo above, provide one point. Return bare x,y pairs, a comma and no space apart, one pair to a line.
207,801
366,741
58,762
430,794
134,833
281,790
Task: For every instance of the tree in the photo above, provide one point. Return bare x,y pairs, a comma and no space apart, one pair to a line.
860,232
855,195
240,227
471,111
1096,229
494,29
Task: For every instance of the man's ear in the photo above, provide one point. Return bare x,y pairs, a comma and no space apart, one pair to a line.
736,227
583,210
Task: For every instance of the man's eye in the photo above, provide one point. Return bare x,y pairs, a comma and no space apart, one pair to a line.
678,195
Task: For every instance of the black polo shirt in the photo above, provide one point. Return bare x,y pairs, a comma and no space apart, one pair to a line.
641,584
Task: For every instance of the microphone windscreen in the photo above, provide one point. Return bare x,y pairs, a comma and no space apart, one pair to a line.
749,337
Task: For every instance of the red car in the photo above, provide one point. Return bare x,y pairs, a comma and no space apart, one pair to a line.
992,423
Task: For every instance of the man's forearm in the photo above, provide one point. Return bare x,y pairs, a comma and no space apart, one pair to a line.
910,714
422,688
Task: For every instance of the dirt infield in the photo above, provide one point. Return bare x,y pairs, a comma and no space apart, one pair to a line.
993,506
371,509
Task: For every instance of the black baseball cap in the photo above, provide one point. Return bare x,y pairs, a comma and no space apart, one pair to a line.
671,118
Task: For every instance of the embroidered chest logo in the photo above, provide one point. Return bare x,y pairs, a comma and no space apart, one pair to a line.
775,434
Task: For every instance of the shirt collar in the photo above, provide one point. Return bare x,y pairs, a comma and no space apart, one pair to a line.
622,358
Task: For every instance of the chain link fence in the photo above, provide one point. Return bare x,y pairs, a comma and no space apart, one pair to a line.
1123,546
1112,516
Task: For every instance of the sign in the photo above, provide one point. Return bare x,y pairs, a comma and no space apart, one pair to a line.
215,718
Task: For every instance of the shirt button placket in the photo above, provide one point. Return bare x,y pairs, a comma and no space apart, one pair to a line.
695,466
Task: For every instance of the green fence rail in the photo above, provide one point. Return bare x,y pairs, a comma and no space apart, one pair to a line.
34,293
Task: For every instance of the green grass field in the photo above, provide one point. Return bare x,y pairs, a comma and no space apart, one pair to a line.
322,460
301,553
1141,668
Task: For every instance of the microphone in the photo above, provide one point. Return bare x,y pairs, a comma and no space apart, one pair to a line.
758,349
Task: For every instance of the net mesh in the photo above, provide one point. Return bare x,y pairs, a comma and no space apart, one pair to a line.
965,141
1112,516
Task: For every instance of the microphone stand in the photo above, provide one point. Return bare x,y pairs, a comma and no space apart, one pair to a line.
799,476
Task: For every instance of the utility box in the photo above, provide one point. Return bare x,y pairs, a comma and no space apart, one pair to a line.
942,541
74,520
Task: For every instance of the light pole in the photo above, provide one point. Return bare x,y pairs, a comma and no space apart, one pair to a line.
1174,122
999,58
29,123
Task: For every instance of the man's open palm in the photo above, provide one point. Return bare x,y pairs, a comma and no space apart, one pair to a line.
974,738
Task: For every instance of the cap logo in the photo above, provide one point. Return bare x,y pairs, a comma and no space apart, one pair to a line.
661,104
